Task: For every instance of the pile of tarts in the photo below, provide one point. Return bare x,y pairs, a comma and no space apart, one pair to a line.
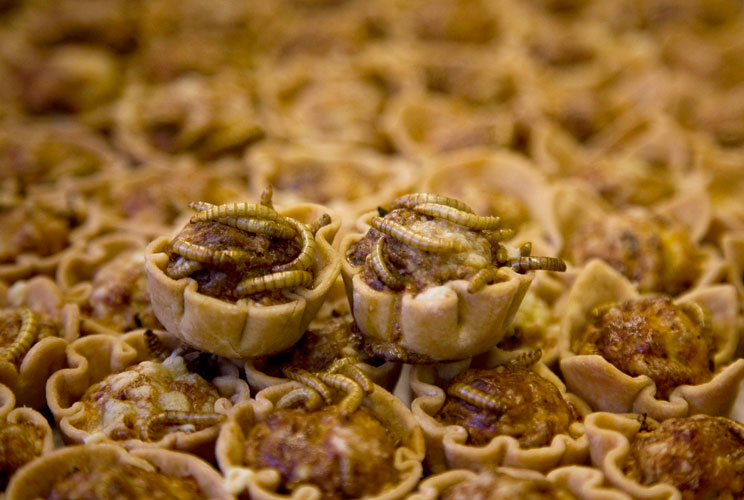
342,249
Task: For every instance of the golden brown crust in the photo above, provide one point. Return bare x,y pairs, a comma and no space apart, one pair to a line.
244,329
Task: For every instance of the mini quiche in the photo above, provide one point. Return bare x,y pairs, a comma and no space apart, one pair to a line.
623,351
430,281
687,458
330,435
108,472
497,409
134,389
243,280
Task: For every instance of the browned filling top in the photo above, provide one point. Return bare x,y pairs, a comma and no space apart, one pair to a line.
656,257
32,230
420,269
19,443
703,456
120,296
113,482
533,409
499,486
220,281
651,336
345,457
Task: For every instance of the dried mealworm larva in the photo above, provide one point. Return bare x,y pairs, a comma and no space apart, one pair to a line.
274,281
201,205
499,235
183,267
348,366
466,219
418,241
476,397
207,255
354,393
321,221
155,346
306,378
526,249
413,199
482,278
307,396
376,260
153,427
524,264
309,248
260,226
24,339
527,359
237,210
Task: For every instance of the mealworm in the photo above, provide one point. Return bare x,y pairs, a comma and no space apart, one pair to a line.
466,219
183,267
354,393
348,365
201,205
237,210
376,260
476,397
266,196
523,264
418,241
260,226
413,199
207,255
526,249
305,395
502,255
499,235
483,277
24,338
306,257
155,346
274,281
527,359
306,378
153,427
321,221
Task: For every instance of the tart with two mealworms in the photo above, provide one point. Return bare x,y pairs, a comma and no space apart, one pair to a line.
108,472
506,409
430,281
243,280
325,434
623,351
325,342
142,389
688,458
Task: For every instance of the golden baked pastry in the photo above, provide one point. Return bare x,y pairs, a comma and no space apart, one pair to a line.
430,280
243,293
105,471
500,411
623,351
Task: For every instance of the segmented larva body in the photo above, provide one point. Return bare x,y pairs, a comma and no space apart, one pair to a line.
269,227
498,235
310,380
207,255
523,264
306,257
482,278
376,260
274,281
183,267
153,428
307,396
24,339
354,393
411,200
527,359
476,397
415,240
321,221
348,366
465,219
155,346
237,210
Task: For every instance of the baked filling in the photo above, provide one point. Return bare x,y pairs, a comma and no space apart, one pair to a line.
31,228
702,456
345,456
491,485
509,400
110,482
19,444
652,336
